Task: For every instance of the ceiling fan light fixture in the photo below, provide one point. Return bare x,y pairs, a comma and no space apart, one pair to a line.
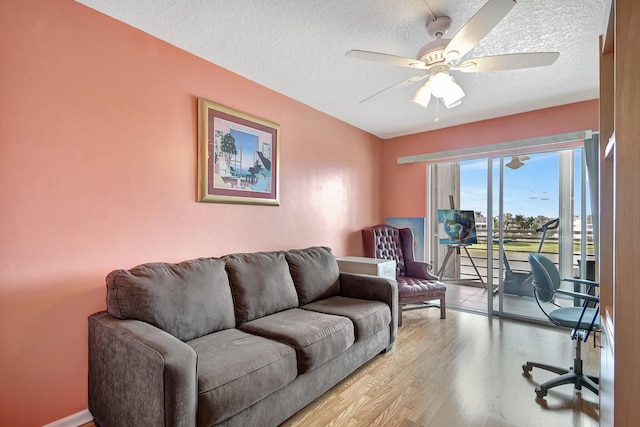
444,86
440,84
454,95
423,95
451,104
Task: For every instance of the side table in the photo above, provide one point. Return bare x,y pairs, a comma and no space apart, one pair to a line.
371,266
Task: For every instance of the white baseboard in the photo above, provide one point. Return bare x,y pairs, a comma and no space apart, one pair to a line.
74,420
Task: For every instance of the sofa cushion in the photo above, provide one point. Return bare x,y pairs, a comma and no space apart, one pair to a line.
187,300
236,370
315,273
368,316
316,337
261,284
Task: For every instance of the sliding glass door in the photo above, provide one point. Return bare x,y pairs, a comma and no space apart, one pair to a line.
527,197
522,203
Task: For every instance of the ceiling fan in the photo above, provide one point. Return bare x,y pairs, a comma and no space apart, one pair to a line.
517,161
441,56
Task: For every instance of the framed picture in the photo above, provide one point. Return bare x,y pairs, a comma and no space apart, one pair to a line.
456,227
238,156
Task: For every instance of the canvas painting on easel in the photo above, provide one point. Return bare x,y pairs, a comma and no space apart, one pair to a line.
456,227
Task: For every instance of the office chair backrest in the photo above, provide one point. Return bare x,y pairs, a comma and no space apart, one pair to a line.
546,278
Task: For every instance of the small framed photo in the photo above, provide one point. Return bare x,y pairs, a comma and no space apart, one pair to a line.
238,156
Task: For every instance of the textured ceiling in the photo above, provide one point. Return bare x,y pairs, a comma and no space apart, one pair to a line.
297,47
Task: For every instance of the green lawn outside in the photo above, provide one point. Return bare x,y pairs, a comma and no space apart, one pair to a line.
523,246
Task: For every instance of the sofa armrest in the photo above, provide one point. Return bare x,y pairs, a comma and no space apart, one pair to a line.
139,373
373,288
421,270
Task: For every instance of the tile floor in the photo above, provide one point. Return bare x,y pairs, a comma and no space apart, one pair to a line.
473,297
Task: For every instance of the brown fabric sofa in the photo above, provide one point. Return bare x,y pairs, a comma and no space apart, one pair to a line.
242,340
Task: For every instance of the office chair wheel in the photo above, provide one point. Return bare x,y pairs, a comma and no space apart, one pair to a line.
540,393
527,368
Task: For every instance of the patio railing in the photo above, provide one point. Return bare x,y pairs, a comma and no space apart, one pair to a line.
522,242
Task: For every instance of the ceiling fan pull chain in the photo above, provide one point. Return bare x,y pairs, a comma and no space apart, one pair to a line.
437,118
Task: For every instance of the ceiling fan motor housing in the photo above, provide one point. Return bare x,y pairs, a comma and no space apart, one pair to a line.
432,53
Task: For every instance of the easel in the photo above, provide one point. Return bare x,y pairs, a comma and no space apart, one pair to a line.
456,248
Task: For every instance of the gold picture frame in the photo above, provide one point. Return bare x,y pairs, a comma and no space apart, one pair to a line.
238,156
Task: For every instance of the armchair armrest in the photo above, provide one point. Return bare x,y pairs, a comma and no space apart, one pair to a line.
581,281
373,288
591,298
421,270
139,372
579,330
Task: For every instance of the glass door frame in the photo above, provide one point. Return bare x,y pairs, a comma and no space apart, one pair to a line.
565,213
566,204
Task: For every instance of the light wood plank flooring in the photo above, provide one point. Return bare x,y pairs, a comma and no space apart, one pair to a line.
461,371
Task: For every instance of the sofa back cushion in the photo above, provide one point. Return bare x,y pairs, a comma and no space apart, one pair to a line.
187,300
260,283
315,273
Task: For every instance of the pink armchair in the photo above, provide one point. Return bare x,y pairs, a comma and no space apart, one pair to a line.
416,284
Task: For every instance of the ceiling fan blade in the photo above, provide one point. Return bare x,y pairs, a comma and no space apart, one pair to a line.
477,27
387,59
508,62
395,86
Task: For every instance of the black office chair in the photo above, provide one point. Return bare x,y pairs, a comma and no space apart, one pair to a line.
581,320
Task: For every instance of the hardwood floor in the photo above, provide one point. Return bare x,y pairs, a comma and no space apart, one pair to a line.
461,371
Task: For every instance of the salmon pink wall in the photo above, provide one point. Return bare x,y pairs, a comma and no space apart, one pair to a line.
404,187
98,171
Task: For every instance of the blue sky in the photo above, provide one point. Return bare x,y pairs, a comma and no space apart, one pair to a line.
524,188
248,144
